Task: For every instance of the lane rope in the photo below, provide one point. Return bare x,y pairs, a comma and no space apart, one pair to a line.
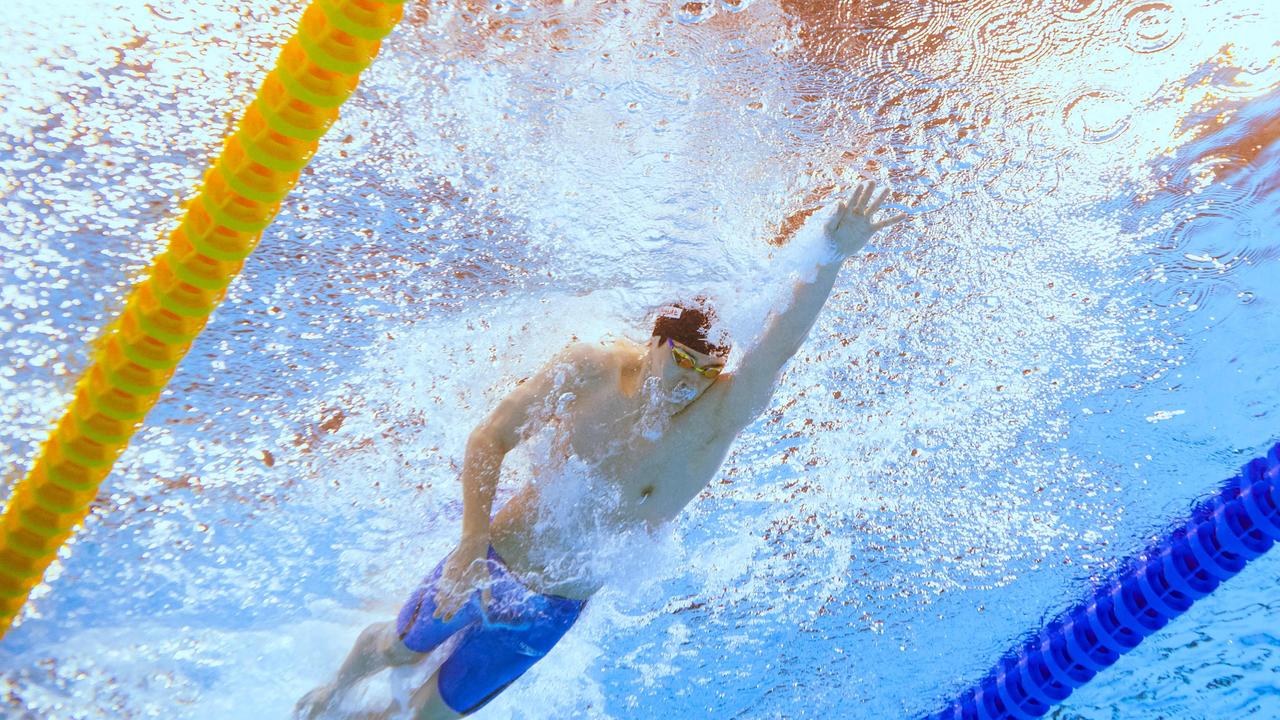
1224,533
318,69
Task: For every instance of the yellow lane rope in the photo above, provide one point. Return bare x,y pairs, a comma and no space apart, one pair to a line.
317,71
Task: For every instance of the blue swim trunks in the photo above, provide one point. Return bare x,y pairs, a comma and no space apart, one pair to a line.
499,642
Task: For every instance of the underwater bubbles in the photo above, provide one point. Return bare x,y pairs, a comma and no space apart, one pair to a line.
1216,237
915,46
1029,176
1209,169
1204,251
1248,71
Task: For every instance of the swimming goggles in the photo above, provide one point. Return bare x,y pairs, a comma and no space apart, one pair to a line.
685,360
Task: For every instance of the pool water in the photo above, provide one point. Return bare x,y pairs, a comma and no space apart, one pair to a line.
1066,345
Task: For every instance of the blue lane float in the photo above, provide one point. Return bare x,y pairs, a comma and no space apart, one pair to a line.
1224,533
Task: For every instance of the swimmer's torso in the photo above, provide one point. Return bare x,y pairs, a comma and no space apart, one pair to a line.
634,467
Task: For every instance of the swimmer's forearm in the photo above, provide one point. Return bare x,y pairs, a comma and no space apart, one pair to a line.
788,329
480,472
846,239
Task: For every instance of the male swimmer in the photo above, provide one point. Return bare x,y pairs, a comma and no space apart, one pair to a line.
514,585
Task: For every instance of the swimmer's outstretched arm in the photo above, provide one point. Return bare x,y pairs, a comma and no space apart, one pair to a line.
487,446
848,230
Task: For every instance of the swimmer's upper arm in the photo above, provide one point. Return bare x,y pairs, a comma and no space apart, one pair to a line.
534,396
747,391
743,399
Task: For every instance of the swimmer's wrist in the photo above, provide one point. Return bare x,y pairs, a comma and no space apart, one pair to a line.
832,255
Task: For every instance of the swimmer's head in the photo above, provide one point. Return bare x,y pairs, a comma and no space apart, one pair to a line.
690,325
684,360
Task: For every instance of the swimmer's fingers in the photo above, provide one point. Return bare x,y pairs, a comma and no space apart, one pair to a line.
833,222
859,196
870,192
450,597
449,600
851,202
894,220
454,594
875,204
444,604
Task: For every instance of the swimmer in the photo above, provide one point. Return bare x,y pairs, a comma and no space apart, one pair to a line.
514,585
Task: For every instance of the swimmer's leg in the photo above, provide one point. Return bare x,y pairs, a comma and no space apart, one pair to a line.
489,657
415,633
378,647
426,703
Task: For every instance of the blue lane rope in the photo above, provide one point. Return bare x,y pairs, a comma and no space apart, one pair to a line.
1238,524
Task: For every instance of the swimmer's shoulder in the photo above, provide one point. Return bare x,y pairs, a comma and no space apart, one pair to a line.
590,361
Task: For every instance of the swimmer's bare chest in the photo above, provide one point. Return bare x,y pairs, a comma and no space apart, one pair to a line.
653,463
644,470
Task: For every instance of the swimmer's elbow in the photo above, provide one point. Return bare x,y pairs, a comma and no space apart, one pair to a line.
488,440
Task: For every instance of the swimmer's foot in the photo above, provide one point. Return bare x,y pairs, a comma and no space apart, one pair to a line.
313,705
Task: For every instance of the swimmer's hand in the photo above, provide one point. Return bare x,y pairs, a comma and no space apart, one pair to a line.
851,226
465,570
